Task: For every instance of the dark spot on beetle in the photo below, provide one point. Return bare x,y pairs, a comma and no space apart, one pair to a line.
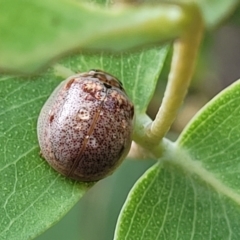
40,154
132,112
107,85
51,118
69,83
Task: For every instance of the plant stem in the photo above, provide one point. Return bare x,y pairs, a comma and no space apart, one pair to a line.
182,67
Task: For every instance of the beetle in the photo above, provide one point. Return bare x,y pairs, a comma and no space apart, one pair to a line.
85,127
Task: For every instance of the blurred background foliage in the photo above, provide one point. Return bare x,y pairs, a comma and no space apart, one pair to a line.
95,216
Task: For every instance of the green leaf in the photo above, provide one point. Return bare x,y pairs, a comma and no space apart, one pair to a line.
215,11
32,195
193,192
35,32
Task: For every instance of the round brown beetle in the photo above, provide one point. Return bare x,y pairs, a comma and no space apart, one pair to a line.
85,127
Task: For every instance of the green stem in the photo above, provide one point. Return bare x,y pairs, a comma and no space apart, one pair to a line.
149,134
182,67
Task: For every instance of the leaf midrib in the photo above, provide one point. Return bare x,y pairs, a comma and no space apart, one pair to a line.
193,166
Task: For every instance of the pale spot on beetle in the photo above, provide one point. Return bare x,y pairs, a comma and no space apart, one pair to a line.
92,87
93,142
124,123
100,96
83,114
114,94
120,99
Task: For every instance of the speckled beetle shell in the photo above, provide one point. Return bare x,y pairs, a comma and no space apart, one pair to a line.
85,127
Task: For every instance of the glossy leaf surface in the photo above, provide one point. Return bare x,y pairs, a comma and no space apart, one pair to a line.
33,196
193,192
